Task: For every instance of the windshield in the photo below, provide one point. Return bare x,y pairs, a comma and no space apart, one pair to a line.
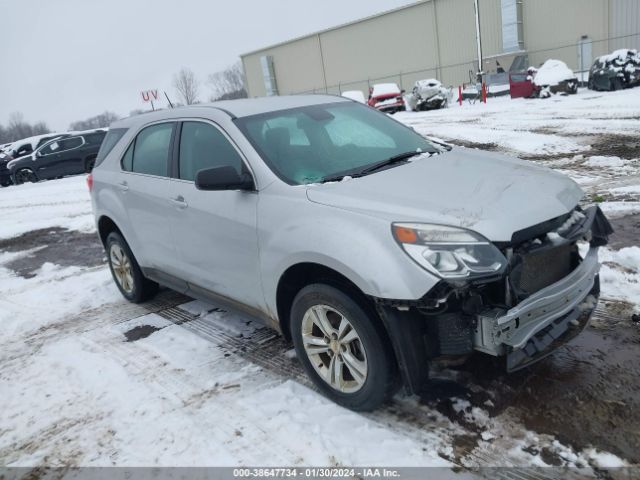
309,144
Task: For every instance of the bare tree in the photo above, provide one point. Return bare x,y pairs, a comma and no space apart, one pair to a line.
18,128
187,85
228,84
99,121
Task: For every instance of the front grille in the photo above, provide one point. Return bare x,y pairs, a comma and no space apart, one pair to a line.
539,269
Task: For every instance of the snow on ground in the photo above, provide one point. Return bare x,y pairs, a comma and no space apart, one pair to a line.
76,392
552,126
620,274
63,203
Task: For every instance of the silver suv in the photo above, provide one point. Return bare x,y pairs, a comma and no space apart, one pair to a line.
375,250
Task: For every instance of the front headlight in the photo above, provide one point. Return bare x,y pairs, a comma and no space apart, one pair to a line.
449,252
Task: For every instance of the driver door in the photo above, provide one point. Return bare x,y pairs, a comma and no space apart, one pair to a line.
214,231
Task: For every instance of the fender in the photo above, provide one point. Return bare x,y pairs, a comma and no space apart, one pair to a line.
362,249
111,206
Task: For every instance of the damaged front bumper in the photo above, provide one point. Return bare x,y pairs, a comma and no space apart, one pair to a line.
526,331
534,327
545,297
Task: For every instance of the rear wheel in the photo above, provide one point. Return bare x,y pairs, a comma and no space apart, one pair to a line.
25,175
5,182
126,272
341,348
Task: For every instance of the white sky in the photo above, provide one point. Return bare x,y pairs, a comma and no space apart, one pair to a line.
66,60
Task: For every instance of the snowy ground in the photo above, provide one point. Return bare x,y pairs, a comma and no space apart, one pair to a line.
88,379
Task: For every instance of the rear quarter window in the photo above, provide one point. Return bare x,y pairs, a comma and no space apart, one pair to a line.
110,140
149,152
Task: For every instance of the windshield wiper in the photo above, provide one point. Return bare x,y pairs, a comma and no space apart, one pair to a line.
401,157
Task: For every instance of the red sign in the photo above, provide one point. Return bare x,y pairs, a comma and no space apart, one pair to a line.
149,95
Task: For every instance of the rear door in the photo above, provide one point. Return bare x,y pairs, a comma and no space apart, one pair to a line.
143,185
71,155
215,231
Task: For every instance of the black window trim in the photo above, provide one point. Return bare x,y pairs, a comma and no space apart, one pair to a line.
132,142
175,157
60,139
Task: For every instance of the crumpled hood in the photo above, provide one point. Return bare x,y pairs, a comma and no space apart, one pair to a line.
489,193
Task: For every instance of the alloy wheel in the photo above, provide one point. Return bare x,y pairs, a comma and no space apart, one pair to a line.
334,348
121,266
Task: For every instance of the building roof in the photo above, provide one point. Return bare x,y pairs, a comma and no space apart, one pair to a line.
342,25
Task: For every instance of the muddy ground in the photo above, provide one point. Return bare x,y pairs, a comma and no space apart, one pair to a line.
586,393
53,245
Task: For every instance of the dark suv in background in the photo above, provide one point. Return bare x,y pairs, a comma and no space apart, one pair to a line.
69,155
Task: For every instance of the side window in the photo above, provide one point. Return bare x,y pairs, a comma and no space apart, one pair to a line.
23,150
110,140
150,151
70,143
203,146
52,147
94,138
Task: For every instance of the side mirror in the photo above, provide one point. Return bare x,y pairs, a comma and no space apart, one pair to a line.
223,178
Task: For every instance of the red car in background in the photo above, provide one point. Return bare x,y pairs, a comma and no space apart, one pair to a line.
386,97
520,85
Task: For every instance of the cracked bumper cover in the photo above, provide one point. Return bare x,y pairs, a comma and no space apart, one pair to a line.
530,330
525,331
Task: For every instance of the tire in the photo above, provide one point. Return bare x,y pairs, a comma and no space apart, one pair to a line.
5,182
25,175
365,362
126,272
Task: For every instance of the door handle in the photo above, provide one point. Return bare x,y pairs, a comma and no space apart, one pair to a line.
179,202
124,186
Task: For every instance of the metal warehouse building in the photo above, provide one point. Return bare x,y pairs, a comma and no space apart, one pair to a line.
444,39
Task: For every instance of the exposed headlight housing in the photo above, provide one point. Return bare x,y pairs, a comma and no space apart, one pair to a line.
449,252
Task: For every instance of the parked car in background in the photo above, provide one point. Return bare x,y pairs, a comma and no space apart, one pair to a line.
520,85
26,146
400,251
386,97
356,95
428,95
620,69
18,149
62,156
553,77
5,174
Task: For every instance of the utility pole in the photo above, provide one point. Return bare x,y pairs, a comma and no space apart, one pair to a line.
478,36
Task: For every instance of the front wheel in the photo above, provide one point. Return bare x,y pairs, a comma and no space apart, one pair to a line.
341,348
126,272
25,175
